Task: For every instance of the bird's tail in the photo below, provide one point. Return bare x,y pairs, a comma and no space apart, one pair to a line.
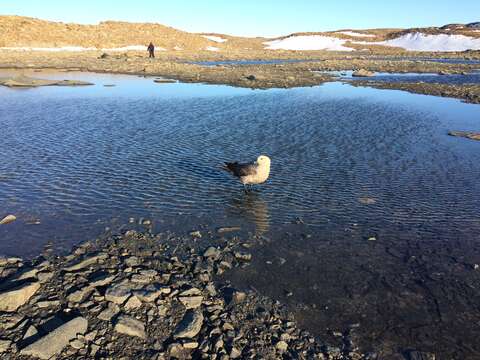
228,166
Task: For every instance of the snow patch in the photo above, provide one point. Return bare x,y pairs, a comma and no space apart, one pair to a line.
423,42
355,34
212,48
308,42
217,39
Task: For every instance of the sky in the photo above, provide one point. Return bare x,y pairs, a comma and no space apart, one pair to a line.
254,17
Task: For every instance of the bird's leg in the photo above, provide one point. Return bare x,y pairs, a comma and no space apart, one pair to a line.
245,188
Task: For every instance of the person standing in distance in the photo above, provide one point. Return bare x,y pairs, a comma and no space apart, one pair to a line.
151,50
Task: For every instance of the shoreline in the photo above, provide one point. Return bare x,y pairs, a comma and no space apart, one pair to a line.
258,76
135,295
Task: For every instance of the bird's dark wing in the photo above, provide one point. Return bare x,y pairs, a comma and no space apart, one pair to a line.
240,170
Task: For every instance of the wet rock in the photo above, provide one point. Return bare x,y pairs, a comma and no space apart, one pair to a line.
228,229
196,234
130,326
241,256
11,300
190,325
54,342
8,219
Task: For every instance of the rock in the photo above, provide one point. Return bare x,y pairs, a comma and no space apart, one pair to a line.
281,346
151,293
4,345
8,219
363,73
111,310
133,303
196,234
132,261
144,277
31,331
9,261
46,304
251,77
130,326
118,293
212,252
190,325
418,355
54,342
80,295
465,134
77,344
11,300
10,321
190,345
235,353
241,256
191,302
239,296
85,263
228,229
367,200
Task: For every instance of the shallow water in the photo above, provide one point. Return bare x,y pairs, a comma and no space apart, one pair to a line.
348,164
455,79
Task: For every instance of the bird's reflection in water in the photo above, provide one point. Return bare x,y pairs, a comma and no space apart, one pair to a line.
253,208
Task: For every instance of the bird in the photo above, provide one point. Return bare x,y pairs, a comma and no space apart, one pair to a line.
253,173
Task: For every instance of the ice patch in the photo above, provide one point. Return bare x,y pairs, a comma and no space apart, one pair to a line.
423,42
355,34
308,42
212,48
217,39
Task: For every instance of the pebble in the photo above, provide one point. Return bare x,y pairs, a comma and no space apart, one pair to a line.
8,219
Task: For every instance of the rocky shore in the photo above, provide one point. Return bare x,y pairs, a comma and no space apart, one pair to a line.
135,296
258,76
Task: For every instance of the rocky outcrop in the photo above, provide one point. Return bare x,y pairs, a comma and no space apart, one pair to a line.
466,134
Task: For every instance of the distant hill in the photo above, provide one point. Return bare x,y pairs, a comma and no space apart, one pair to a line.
30,33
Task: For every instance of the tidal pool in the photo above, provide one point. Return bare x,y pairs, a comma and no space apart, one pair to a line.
371,217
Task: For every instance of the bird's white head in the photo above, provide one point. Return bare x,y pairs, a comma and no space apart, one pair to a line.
263,160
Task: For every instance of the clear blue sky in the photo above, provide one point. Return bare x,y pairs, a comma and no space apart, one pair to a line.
253,17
